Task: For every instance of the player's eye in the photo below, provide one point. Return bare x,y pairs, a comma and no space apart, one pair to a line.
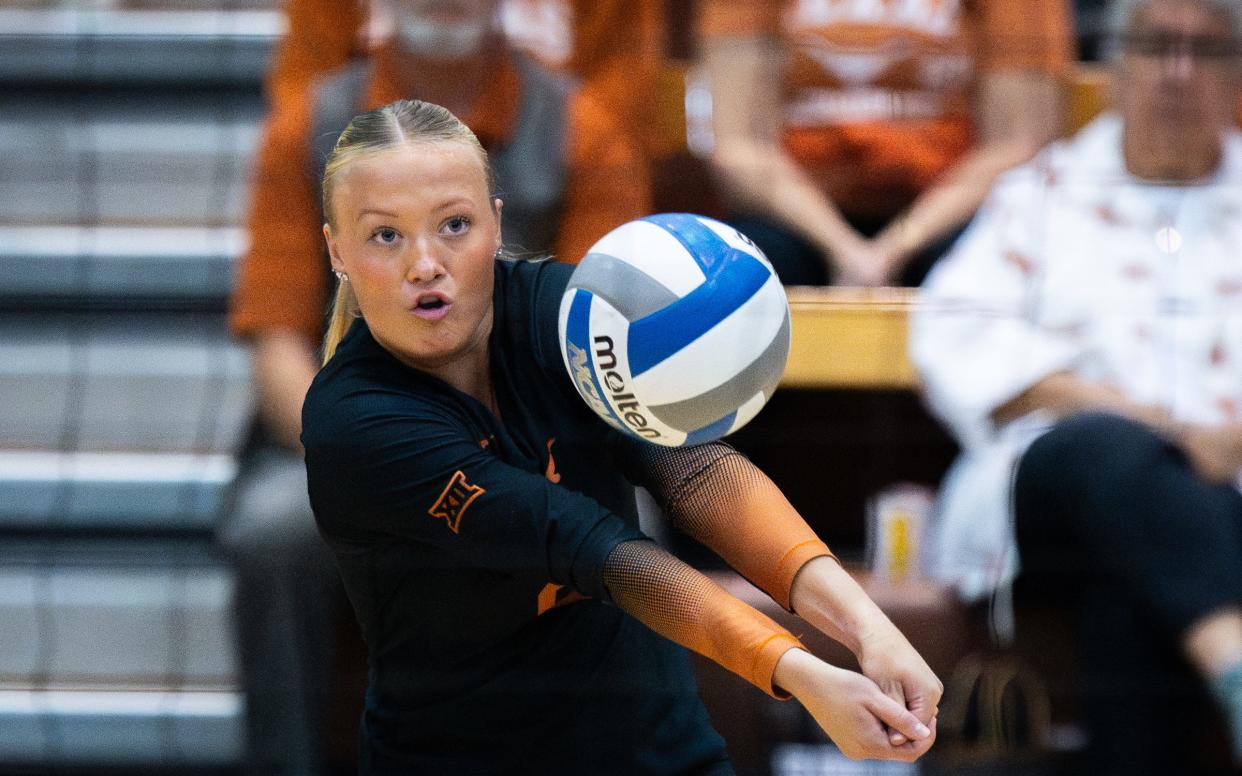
457,225
385,235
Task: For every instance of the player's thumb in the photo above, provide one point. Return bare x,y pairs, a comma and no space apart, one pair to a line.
897,718
895,691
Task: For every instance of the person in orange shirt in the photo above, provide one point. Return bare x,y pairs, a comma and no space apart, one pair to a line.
853,137
568,172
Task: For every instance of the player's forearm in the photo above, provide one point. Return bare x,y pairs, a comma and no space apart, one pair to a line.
684,606
718,497
825,595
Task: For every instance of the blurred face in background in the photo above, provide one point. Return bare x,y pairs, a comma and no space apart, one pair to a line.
444,29
1176,87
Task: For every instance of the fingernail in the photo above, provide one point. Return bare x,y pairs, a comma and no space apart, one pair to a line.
923,730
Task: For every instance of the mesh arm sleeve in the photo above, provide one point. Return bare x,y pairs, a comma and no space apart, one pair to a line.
684,606
717,496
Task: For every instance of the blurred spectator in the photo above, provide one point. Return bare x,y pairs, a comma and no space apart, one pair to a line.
1090,22
1083,342
568,173
854,138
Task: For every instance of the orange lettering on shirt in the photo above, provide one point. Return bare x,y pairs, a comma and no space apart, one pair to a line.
552,474
552,596
454,500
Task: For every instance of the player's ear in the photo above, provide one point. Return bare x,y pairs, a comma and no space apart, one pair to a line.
498,205
333,253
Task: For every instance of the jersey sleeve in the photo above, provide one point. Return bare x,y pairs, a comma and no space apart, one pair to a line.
282,277
608,182
1025,35
738,18
423,479
683,605
419,476
716,495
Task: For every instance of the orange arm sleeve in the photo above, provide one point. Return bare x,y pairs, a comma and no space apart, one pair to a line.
684,606
717,496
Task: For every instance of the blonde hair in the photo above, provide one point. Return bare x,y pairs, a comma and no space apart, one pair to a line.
395,124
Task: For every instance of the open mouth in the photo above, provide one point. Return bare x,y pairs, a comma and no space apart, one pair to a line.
431,307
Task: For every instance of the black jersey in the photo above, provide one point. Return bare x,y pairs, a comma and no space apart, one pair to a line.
472,551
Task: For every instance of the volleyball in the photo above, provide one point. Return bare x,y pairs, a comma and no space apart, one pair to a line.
675,329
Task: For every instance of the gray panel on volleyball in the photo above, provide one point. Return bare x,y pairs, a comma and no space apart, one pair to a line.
183,264
182,159
157,46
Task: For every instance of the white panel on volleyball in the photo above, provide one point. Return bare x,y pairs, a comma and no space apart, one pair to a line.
747,412
648,247
562,326
714,358
735,239
621,396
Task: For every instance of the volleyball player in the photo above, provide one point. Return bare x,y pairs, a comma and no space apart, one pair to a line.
483,519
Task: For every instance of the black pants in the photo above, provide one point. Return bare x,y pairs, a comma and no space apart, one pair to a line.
1113,523
288,590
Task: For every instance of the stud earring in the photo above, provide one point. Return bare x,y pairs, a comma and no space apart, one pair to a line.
341,276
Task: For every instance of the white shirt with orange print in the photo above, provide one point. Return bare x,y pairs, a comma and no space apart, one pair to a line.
1074,265
860,60
878,94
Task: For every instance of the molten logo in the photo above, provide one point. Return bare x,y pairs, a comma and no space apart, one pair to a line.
584,381
627,405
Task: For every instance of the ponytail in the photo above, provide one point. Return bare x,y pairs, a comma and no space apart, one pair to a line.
341,316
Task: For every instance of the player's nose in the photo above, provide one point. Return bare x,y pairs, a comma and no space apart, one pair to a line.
424,264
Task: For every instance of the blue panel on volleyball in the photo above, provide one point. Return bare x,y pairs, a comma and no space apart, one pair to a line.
659,335
578,334
704,245
711,432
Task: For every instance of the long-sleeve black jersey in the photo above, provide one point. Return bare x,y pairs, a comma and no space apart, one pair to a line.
473,552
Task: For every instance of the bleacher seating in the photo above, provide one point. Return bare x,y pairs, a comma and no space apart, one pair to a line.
126,131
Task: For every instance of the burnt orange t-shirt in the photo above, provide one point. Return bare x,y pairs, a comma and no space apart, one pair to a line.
877,93
282,279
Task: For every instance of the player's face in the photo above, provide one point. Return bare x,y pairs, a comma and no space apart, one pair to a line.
416,230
